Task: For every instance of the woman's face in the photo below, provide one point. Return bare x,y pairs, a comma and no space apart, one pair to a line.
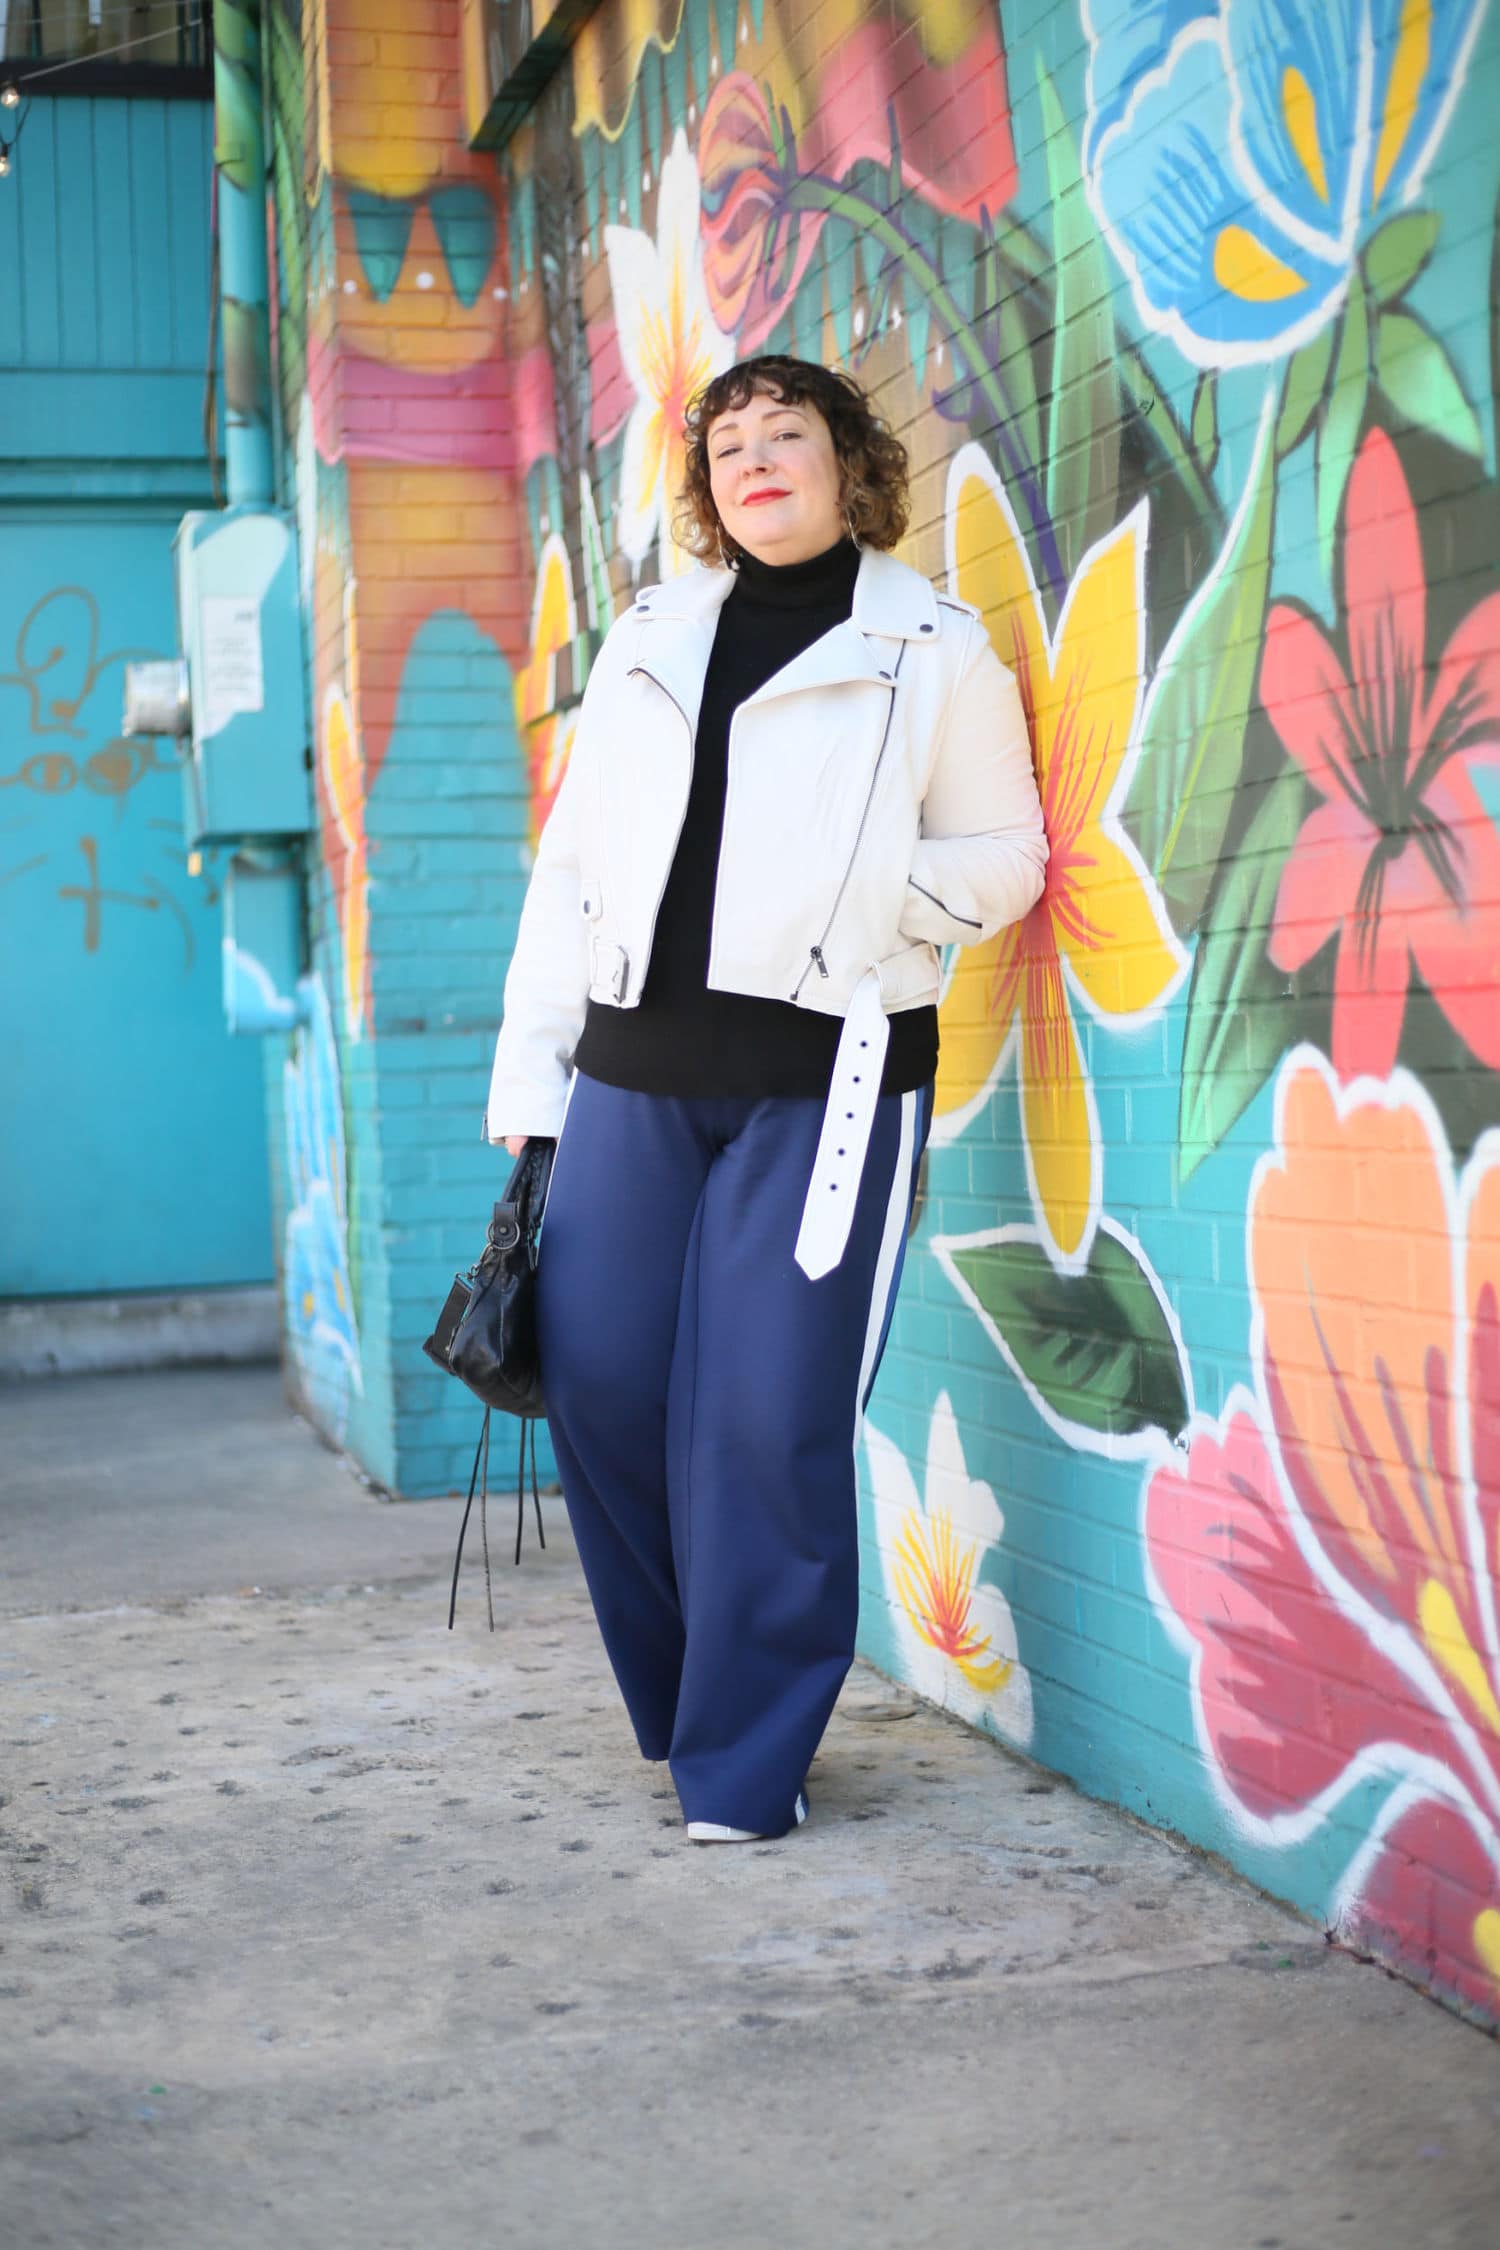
775,479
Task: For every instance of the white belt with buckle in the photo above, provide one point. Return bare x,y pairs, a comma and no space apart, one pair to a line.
839,1165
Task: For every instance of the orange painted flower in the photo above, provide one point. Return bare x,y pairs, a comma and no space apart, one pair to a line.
1329,1553
1099,933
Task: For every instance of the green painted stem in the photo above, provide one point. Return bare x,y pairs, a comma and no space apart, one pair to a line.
811,194
1032,262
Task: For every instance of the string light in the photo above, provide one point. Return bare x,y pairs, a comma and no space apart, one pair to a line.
10,98
11,95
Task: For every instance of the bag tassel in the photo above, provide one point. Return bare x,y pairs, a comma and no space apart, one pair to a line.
479,1479
536,1498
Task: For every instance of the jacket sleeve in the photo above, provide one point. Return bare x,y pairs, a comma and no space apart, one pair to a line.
546,987
981,860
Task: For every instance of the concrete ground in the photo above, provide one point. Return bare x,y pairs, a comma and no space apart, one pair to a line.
328,1927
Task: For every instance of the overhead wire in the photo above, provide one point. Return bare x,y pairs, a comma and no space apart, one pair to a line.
100,54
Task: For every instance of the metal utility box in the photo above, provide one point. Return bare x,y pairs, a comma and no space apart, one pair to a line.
241,631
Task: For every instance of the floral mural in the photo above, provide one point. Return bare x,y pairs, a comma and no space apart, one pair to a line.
1352,1519
1185,313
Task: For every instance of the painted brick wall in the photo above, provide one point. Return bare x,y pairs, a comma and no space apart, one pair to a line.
1184,1470
390,297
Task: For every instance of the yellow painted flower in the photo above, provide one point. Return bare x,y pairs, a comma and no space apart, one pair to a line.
955,1636
670,344
546,734
1099,932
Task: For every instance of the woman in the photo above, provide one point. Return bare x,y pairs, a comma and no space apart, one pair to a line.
798,772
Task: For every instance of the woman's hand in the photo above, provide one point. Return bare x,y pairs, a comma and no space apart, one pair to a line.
514,1143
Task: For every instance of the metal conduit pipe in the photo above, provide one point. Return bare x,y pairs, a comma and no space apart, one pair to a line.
240,160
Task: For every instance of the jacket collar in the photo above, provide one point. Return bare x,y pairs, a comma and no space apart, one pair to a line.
890,598
891,602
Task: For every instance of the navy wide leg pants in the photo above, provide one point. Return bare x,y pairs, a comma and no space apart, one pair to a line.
704,1399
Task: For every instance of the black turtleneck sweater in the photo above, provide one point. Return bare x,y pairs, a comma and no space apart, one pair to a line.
683,1039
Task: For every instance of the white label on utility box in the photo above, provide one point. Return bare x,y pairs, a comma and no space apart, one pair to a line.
229,648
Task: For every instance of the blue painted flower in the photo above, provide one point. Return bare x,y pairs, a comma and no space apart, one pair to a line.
1237,155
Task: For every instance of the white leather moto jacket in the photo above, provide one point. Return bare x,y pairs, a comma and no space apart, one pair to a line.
881,803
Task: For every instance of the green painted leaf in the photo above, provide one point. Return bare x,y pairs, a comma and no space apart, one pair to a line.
1017,371
674,65
918,327
1396,255
1083,462
648,101
872,258
1306,376
237,121
694,30
1193,729
841,282
632,163
599,600
1339,433
807,309
1206,422
1097,1350
237,32
1418,378
961,264
1239,1020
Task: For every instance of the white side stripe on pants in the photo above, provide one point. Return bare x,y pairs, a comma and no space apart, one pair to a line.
896,1210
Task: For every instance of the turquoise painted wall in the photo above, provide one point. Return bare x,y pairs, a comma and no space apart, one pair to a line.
132,1137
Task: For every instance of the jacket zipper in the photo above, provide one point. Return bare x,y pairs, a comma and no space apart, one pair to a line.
815,958
967,919
644,672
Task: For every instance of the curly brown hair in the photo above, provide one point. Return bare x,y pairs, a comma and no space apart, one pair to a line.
871,458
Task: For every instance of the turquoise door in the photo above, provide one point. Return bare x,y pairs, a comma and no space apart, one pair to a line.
132,1127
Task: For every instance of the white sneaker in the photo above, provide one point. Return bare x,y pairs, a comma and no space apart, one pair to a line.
710,1832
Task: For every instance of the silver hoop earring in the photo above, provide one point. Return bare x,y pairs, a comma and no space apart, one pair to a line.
849,531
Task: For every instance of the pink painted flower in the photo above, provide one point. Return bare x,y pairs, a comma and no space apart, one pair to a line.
1401,859
919,87
755,247
1328,1554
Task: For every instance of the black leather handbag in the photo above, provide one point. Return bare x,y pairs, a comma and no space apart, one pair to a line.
486,1336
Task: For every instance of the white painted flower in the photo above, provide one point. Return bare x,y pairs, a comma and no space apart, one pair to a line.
955,1636
671,346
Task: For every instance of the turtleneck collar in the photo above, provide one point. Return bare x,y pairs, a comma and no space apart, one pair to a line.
826,578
